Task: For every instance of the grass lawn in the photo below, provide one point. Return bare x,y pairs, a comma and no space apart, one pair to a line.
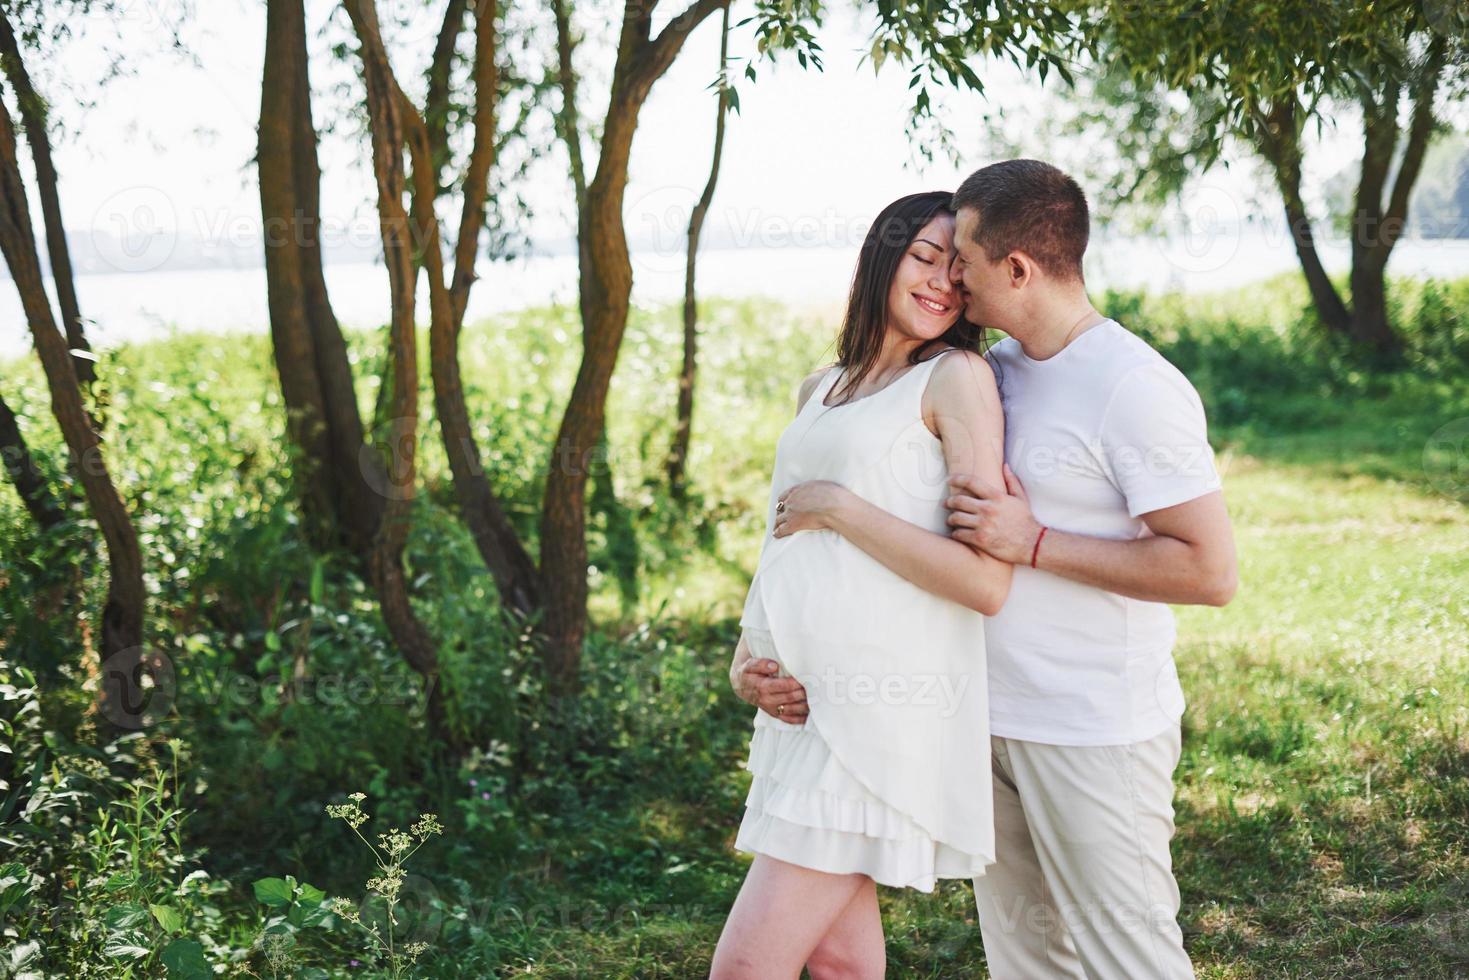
1323,793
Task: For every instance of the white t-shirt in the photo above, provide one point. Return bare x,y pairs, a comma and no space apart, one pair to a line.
1099,433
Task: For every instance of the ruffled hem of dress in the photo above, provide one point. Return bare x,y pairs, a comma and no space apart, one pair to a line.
916,863
799,779
800,809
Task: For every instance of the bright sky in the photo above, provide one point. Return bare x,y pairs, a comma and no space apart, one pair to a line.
810,158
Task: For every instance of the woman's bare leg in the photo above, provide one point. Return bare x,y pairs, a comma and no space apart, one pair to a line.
780,916
853,948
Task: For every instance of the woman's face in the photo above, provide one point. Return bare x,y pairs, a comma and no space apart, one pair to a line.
923,303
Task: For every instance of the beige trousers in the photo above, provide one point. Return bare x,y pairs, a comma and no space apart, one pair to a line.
1083,884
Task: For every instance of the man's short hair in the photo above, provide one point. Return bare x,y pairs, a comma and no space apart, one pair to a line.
1032,207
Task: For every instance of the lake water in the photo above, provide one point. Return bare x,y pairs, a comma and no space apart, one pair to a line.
140,306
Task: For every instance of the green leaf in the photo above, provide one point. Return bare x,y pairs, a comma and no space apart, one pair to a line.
168,918
126,915
274,892
129,945
304,915
184,960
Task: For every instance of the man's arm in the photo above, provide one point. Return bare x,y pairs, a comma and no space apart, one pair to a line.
1189,558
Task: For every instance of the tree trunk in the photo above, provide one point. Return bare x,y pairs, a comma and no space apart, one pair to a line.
386,562
679,452
436,101
29,482
605,292
337,484
1377,228
123,611
1279,143
1368,326
621,539
511,566
33,119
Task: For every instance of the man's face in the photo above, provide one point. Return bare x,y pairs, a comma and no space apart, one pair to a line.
985,283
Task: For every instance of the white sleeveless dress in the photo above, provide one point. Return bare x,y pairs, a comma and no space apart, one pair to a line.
890,774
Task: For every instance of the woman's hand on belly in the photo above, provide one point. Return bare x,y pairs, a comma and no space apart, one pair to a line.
810,506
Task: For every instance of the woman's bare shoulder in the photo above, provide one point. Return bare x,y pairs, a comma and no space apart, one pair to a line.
962,365
965,377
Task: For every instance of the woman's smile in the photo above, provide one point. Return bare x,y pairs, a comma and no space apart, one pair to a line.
936,307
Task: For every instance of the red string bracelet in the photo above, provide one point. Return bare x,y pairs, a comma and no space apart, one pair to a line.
1035,552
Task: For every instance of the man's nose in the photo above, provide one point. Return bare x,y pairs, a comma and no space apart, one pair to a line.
956,274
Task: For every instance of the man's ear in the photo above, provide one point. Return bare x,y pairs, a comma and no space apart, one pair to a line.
1019,269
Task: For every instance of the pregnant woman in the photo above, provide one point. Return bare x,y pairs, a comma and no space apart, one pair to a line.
880,774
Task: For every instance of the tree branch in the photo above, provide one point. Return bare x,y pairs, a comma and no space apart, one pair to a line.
665,47
481,158
436,99
1420,130
1380,137
33,118
568,120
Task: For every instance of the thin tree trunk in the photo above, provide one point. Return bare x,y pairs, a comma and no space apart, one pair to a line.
622,549
292,341
1368,326
355,476
123,611
338,484
386,562
21,467
33,120
1280,145
679,453
436,100
605,291
568,120
1378,228
511,566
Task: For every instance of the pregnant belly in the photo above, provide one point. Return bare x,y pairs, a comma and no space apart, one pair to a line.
821,584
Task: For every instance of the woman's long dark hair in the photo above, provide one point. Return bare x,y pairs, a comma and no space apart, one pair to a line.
866,321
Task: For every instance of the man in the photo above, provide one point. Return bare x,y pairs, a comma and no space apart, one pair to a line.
1112,508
